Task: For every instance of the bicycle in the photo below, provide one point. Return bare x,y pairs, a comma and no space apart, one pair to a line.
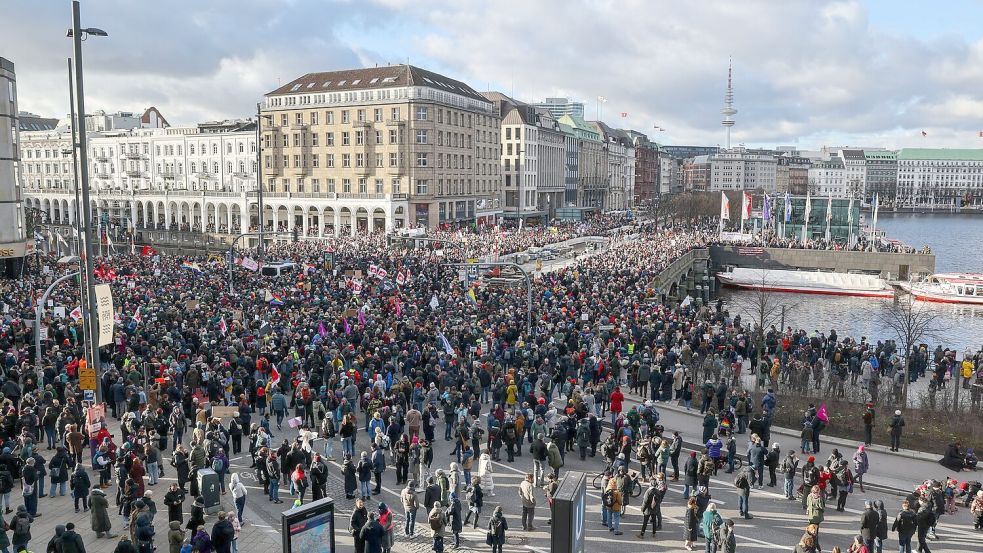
634,485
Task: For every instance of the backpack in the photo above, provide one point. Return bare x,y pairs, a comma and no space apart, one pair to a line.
906,522
22,526
707,467
436,520
741,480
608,498
217,464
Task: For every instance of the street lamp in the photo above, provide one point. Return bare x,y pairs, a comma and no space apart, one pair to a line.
78,34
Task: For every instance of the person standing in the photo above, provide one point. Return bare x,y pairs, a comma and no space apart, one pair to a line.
174,499
897,424
101,523
815,506
728,541
743,482
358,520
21,527
868,525
527,493
373,534
711,526
455,520
925,518
614,501
869,417
485,470
410,506
692,523
652,504
789,466
222,534
476,499
438,524
905,524
844,485
175,536
497,526
238,494
319,477
80,485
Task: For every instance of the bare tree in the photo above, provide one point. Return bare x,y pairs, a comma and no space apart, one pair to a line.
912,322
764,307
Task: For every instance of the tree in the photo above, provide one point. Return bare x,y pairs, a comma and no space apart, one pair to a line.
912,322
764,307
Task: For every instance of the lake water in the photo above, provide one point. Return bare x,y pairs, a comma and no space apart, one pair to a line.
956,240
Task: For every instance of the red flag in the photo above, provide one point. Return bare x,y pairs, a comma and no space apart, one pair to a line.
822,414
274,376
147,251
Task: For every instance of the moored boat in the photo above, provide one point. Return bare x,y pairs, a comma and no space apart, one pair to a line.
964,288
807,282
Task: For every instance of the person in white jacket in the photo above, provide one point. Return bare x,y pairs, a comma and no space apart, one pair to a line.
238,494
485,472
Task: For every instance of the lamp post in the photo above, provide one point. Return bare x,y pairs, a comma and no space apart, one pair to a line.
76,33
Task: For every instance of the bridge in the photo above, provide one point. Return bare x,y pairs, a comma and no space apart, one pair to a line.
688,275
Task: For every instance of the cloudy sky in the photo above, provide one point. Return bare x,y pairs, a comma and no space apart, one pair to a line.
806,72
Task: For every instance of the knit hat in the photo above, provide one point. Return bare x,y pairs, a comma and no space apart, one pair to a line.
812,459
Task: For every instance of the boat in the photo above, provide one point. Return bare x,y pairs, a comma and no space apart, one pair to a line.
807,282
966,288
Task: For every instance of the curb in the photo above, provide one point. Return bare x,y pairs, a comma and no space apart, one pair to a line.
905,453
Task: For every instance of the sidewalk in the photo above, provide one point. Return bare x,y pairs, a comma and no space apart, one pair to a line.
897,472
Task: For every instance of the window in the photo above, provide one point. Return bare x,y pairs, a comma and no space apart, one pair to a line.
393,159
440,116
394,114
346,139
300,185
421,159
331,186
296,161
329,117
360,160
346,186
378,137
329,160
313,118
421,186
393,136
283,119
315,161
421,137
362,186
344,117
397,187
421,113
508,133
379,184
329,139
359,138
378,160
315,185
346,160
360,114
377,115
296,139
440,160
314,139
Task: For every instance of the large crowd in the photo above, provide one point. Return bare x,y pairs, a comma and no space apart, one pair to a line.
389,344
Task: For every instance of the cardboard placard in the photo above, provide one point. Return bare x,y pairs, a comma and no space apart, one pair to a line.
191,305
225,412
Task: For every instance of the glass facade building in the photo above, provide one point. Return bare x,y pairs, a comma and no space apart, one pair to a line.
844,218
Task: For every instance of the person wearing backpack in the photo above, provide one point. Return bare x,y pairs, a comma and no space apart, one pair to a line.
613,502
711,527
905,524
497,526
438,524
743,483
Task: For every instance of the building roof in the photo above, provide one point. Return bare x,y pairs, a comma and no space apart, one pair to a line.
368,78
31,122
881,154
853,155
940,154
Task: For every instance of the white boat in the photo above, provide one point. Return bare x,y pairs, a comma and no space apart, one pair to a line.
807,282
947,288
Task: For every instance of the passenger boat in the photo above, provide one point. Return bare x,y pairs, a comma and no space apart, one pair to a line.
807,282
947,288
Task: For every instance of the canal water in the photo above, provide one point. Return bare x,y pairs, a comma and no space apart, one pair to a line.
956,240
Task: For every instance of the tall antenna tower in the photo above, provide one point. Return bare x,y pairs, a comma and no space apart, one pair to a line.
729,112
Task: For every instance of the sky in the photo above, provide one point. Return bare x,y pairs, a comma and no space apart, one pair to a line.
807,73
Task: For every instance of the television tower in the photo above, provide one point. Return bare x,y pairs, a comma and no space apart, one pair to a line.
729,112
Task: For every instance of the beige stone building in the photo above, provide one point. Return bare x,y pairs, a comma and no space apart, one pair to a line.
381,148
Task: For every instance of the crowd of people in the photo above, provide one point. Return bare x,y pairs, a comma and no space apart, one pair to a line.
391,346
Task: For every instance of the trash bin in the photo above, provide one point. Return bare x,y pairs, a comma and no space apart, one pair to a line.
210,490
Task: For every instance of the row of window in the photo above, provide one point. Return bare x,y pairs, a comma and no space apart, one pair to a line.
420,113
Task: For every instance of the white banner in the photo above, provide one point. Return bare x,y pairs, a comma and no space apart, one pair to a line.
250,263
104,308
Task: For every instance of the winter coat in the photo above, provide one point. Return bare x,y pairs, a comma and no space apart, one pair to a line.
175,537
99,506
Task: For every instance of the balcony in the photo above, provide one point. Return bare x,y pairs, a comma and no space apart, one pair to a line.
299,127
360,124
101,175
134,173
132,155
242,175
395,122
100,158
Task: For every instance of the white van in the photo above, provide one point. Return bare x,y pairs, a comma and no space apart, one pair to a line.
278,269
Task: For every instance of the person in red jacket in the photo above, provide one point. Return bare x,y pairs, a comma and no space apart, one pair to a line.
616,400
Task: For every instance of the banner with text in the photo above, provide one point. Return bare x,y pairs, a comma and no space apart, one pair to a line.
104,308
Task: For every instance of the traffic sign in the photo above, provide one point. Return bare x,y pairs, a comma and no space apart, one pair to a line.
87,378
